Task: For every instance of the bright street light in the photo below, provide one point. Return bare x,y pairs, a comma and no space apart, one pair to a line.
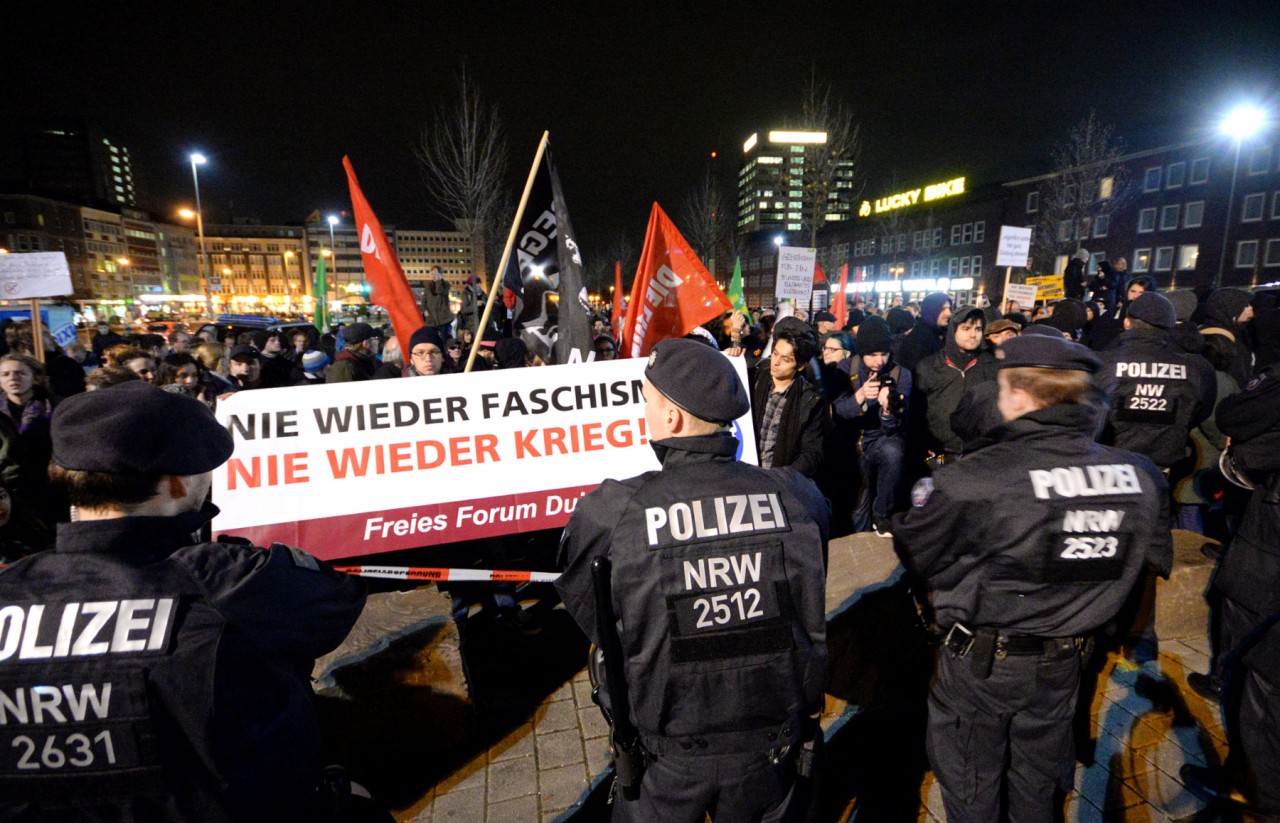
186,214
333,220
1244,122
198,159
777,241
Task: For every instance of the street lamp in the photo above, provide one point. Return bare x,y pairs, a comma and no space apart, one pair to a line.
198,159
332,220
123,262
1241,123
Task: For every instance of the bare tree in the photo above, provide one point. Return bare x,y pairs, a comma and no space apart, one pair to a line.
705,219
463,155
1088,184
831,169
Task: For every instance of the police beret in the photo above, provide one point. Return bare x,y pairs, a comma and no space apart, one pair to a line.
136,428
698,379
358,333
1043,329
1155,309
242,350
1041,352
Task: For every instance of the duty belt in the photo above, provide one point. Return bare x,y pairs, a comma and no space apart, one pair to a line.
771,737
960,640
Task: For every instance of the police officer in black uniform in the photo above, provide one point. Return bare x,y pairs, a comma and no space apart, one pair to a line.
144,676
1029,543
719,602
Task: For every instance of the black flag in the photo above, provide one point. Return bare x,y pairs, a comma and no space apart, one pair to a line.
543,283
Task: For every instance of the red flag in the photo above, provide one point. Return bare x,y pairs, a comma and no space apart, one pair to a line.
840,304
617,300
673,292
387,285
818,276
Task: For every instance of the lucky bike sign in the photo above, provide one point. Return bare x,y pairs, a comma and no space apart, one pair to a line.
353,469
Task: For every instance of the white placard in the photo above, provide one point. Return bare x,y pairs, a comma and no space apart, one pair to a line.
1023,295
28,275
1015,246
349,469
795,273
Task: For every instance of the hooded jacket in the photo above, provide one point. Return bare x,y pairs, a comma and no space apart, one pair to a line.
925,338
940,382
1220,311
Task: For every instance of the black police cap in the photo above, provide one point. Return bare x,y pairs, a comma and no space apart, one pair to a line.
137,428
698,379
1041,352
1155,309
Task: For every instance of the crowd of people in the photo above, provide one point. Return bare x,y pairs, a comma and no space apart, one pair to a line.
874,411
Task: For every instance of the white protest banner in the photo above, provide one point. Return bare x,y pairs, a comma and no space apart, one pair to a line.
1023,295
1015,246
795,273
29,275
351,469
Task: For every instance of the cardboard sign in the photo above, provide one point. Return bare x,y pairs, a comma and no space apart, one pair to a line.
795,273
1050,286
351,469
1015,246
28,275
1021,294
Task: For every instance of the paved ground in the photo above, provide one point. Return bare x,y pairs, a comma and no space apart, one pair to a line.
1147,723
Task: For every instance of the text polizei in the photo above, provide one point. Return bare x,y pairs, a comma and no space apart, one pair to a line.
1168,371
1085,481
714,517
85,629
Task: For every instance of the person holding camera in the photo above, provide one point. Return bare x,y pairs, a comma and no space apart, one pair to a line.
878,408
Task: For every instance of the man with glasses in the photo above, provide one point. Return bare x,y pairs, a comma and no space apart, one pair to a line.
426,353
606,349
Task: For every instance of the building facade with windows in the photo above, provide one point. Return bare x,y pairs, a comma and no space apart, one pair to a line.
1170,212
777,184
68,159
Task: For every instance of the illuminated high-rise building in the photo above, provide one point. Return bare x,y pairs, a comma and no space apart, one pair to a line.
777,181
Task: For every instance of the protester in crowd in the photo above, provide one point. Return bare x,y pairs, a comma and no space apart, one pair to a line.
987,533
512,353
277,370
426,354
726,710
137,361
1075,275
180,372
64,375
436,308
28,407
998,332
392,364
941,378
107,376
179,342
486,354
877,407
791,416
605,348
213,363
1103,286
210,707
472,305
929,332
825,322
1111,324
1264,329
244,368
1226,311
314,365
356,361
103,339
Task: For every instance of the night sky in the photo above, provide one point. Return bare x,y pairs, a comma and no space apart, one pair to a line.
636,97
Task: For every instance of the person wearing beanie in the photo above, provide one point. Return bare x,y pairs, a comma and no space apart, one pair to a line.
929,333
856,316
877,408
825,322
357,360
754,676
942,377
314,364
1006,541
426,354
194,659
1074,276
1226,311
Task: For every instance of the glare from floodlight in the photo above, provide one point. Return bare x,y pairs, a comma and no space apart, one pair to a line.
1243,122
777,241
333,220
198,158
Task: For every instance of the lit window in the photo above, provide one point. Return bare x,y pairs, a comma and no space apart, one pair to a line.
1151,180
1033,201
1251,211
1260,160
1141,260
1193,215
1246,254
1272,258
1169,217
1106,187
1146,221
1174,176
1187,256
1164,258
1199,171
1065,230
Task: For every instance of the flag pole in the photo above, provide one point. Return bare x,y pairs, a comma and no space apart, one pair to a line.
506,252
